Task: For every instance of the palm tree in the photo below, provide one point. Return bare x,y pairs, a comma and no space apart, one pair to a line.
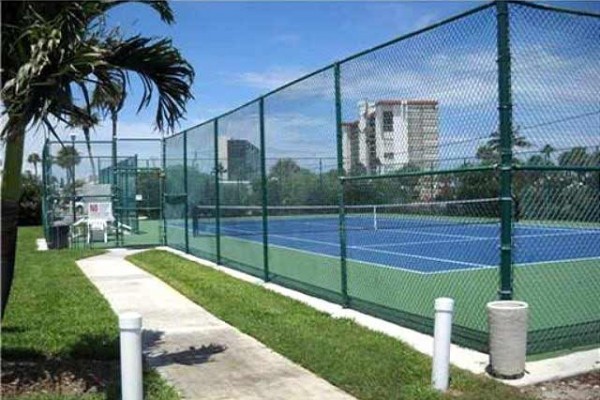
34,158
54,52
547,151
67,158
86,124
518,141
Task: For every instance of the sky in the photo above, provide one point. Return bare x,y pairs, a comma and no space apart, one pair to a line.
240,50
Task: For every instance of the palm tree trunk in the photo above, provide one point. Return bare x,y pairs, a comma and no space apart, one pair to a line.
35,169
11,192
86,134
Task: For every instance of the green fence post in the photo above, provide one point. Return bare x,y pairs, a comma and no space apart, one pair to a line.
115,199
505,114
217,197
185,189
73,193
163,184
340,170
45,190
135,191
263,178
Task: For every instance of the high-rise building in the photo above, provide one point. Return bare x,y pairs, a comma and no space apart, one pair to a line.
391,134
243,160
239,160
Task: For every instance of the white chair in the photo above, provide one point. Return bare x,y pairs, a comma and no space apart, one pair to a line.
97,230
98,218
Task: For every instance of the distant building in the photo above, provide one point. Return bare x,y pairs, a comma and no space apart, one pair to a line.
239,160
391,134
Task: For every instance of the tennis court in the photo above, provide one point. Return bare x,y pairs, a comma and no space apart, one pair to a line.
429,243
401,257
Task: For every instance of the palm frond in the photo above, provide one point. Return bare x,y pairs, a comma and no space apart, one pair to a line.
159,66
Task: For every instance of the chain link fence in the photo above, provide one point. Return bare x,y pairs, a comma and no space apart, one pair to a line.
461,160
86,182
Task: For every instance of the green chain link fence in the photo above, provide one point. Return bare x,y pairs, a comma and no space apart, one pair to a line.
461,160
78,175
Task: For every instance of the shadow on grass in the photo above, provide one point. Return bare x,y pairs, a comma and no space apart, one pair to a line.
91,365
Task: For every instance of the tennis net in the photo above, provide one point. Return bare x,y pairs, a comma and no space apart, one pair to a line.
247,220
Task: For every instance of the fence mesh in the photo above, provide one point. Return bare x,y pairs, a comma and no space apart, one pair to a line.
239,172
302,185
556,96
81,179
383,181
175,196
202,191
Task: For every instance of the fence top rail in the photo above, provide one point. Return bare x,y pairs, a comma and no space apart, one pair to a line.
139,139
555,9
92,142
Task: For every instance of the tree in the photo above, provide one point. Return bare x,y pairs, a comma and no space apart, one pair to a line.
67,158
34,158
54,52
577,156
518,141
86,125
547,152
30,203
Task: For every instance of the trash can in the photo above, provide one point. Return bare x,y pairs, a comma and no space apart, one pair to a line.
59,236
507,321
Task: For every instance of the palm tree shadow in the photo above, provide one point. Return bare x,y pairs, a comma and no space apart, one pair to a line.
191,356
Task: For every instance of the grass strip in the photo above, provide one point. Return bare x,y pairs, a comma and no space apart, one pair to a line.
364,363
57,320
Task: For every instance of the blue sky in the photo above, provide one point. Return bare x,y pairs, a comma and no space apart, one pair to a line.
242,49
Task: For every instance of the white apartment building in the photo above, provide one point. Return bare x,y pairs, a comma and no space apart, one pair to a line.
390,134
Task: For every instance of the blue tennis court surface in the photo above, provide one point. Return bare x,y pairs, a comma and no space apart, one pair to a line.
407,245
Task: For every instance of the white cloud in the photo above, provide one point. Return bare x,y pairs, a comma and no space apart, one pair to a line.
288,39
270,79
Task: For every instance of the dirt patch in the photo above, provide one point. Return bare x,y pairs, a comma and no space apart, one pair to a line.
58,376
580,387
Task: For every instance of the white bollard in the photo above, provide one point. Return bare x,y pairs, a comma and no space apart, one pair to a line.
440,372
130,324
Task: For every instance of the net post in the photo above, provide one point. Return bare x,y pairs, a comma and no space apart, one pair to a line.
505,116
163,189
263,178
374,217
340,170
185,189
217,190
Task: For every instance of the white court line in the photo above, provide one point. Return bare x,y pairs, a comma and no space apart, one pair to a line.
558,261
368,263
422,257
427,242
365,249
372,250
532,226
447,271
556,234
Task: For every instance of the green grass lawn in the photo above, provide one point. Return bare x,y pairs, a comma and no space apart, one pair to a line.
57,319
364,363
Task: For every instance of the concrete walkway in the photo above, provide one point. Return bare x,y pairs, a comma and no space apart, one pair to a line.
202,356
